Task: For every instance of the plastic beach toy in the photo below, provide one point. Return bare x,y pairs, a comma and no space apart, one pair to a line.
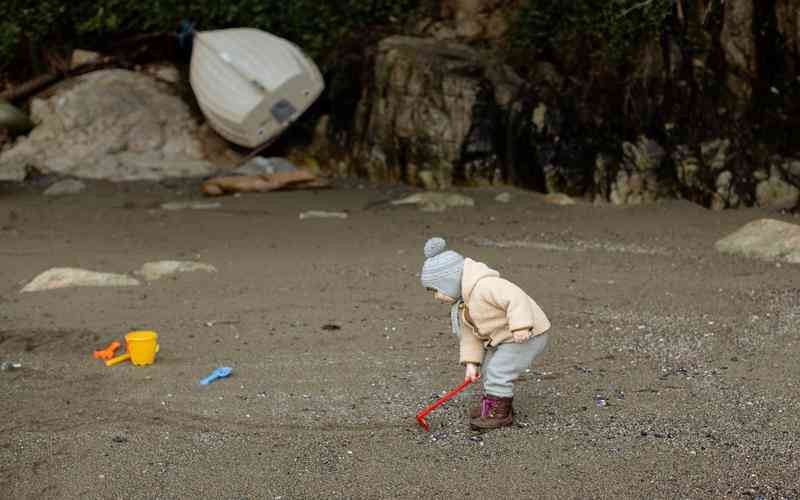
142,346
424,413
119,359
108,352
218,373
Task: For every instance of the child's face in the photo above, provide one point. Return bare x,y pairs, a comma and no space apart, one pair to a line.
445,299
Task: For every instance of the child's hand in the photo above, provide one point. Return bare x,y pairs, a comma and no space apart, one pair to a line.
521,336
472,373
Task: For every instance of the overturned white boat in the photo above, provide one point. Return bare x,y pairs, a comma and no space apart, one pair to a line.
251,85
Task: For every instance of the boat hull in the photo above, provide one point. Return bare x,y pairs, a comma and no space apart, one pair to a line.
251,85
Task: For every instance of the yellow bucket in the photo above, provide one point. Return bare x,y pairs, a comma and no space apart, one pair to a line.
142,346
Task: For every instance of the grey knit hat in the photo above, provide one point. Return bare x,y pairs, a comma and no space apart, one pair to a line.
442,269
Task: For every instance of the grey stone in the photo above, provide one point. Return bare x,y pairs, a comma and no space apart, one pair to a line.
715,154
777,193
182,205
152,271
559,199
793,167
80,56
264,166
67,277
644,156
695,174
322,214
427,179
436,202
725,196
503,198
65,187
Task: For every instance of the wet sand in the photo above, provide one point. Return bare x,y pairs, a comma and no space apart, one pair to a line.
672,370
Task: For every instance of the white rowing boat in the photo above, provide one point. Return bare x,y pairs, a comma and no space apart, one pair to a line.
251,85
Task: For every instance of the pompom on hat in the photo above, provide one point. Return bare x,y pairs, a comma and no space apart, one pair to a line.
442,269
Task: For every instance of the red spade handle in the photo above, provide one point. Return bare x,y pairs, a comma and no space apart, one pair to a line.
424,413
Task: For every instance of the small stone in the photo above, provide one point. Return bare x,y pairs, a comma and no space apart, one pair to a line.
559,199
80,56
152,271
119,438
503,198
65,187
436,201
777,193
427,180
321,214
178,205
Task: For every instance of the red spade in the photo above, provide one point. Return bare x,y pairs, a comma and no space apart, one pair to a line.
424,413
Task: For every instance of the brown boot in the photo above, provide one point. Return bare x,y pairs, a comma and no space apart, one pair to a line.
495,412
474,410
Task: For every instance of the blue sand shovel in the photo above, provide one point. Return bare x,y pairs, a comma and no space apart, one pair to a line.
218,373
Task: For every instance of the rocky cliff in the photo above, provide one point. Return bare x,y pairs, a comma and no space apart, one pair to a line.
705,107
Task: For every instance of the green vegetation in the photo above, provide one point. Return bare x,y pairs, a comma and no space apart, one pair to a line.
606,29
315,25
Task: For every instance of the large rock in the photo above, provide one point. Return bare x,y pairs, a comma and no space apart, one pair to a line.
765,239
112,124
433,107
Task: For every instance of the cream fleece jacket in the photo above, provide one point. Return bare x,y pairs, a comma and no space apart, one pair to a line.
496,307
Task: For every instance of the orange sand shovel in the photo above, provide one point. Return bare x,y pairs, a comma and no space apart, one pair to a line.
108,352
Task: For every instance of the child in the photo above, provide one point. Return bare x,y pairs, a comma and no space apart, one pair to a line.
494,319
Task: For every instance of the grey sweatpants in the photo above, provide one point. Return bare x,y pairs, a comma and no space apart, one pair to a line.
504,364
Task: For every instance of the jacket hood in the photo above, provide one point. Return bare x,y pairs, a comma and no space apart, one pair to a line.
474,271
